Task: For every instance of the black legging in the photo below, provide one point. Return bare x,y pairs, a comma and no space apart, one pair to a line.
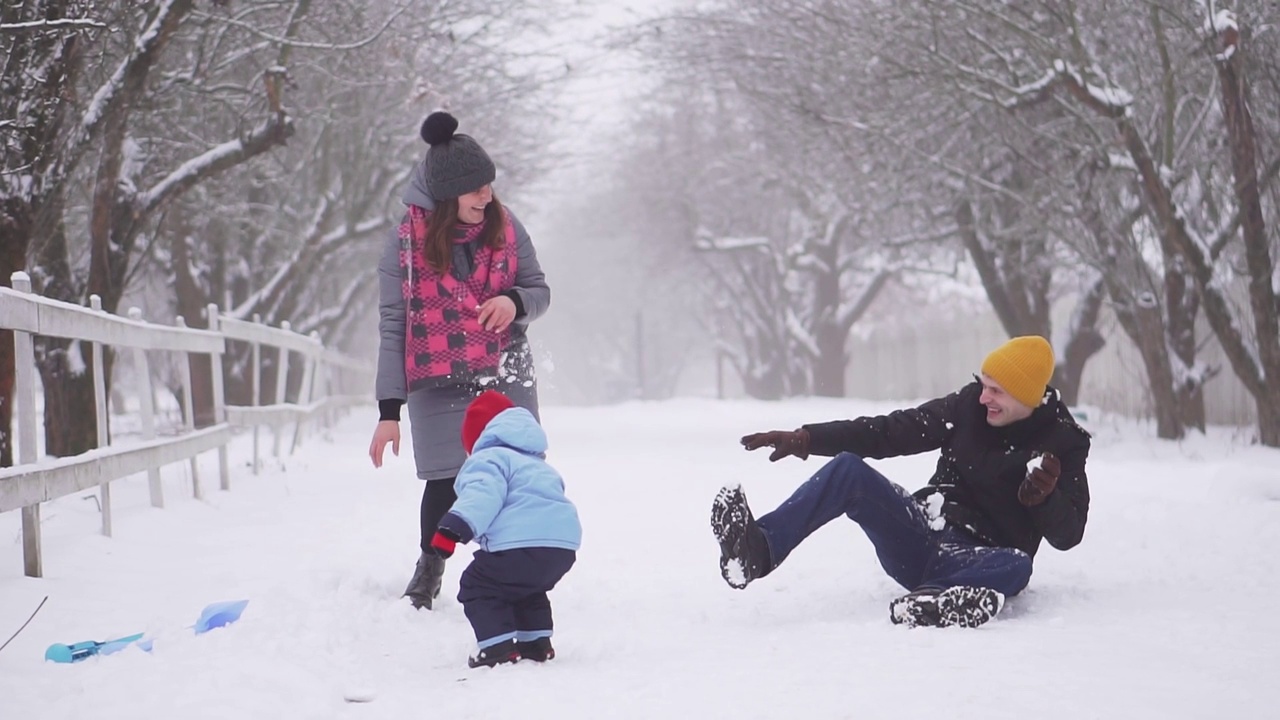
437,498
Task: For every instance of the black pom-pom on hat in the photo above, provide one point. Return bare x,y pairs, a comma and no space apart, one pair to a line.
438,127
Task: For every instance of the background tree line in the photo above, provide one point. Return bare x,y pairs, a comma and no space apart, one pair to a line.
809,167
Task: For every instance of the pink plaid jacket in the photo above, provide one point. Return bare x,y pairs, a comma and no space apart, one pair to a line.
443,336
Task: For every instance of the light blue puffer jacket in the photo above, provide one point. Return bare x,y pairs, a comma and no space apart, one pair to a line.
508,496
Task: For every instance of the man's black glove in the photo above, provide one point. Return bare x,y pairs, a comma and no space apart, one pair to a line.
783,442
1040,481
444,542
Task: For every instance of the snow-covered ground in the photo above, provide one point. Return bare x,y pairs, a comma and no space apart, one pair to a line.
1166,610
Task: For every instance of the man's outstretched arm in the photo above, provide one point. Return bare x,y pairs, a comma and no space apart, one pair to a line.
902,432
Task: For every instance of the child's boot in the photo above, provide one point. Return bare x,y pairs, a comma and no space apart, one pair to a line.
503,652
539,650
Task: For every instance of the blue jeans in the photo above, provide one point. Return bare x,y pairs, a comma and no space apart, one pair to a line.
914,554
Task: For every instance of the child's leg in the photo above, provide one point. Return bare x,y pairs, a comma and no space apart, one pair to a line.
534,623
487,599
494,584
533,617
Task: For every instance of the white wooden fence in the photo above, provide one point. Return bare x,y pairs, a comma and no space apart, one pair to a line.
330,382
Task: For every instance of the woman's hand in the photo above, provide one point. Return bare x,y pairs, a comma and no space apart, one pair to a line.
497,313
387,431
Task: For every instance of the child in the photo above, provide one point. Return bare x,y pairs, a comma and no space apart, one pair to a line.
513,503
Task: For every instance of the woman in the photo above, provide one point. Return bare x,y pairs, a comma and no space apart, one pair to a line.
459,282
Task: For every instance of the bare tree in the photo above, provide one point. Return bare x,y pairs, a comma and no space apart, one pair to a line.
1197,258
135,179
42,44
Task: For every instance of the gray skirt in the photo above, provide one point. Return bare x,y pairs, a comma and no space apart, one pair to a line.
435,415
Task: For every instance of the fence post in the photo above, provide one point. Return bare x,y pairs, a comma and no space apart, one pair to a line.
100,403
305,391
257,393
24,359
219,399
147,404
189,412
282,382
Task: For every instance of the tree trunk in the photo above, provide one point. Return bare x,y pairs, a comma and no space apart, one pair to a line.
1144,326
7,373
1138,313
12,259
1182,302
192,306
1085,342
39,68
1263,299
70,421
829,367
827,370
1269,424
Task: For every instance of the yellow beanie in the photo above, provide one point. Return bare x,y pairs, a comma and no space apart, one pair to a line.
1023,367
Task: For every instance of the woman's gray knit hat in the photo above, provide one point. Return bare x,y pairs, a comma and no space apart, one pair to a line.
456,164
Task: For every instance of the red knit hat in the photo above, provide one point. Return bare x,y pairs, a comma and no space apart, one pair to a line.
484,408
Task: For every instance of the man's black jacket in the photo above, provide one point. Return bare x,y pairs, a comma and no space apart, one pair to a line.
981,466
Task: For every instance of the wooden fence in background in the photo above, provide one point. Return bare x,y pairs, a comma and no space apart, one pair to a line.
330,382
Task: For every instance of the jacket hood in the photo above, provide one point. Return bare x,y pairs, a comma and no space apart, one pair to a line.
415,193
514,428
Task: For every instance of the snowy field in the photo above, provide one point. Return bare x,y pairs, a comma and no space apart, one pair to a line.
1167,610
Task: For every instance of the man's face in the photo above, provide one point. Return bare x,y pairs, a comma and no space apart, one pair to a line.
1002,408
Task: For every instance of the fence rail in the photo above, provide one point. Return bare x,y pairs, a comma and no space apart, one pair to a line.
328,382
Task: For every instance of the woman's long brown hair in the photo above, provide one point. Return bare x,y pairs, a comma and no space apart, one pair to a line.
439,241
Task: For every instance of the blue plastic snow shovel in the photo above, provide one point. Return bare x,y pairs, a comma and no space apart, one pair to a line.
213,616
219,614
76,652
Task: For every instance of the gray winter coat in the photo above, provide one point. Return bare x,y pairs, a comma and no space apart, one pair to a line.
435,413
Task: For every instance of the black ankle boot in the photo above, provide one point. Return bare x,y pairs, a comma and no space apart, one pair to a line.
424,587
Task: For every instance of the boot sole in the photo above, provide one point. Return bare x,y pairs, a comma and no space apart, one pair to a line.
969,606
729,514
960,606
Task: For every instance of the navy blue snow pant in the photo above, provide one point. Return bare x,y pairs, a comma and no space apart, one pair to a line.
504,594
914,554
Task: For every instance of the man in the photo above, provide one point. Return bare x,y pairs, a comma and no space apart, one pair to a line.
1011,472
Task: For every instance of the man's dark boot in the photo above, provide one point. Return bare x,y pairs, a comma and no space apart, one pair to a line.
539,650
962,605
424,587
744,552
503,652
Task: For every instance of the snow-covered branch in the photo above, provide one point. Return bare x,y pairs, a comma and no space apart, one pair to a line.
274,131
335,311
798,332
309,250
849,313
145,52
1228,231
706,242
58,24
1105,98
290,42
